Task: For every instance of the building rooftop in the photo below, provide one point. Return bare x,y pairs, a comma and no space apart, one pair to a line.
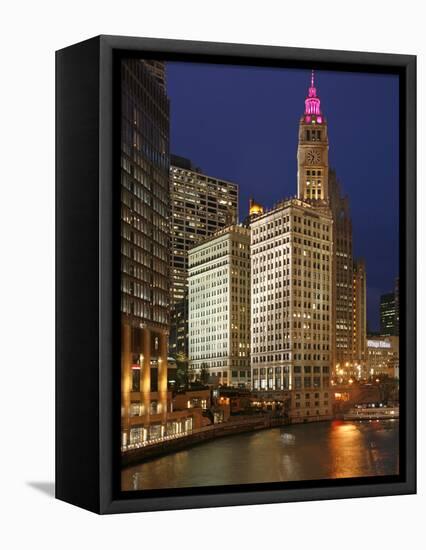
234,228
316,209
186,164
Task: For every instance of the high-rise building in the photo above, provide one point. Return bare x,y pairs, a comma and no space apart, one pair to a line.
157,70
219,307
145,260
359,354
318,184
397,306
389,315
292,262
291,286
201,205
343,272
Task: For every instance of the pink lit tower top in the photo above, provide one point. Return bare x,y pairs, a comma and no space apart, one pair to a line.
313,103
312,151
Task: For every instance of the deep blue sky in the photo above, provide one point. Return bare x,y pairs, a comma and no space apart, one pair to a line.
241,124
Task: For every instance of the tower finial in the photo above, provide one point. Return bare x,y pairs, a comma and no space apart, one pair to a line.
312,79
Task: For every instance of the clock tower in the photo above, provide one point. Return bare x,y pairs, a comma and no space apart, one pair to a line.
312,152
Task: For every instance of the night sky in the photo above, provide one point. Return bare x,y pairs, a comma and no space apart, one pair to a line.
241,124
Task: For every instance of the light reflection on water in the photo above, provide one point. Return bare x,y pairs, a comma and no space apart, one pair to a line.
321,450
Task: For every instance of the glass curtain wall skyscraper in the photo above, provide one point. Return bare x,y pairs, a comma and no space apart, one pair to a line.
145,251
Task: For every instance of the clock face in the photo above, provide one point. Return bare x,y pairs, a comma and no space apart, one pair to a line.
313,156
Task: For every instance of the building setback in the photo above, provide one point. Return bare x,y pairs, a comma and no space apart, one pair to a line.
200,206
219,307
145,259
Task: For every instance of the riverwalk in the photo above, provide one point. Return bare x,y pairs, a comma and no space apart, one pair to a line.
171,444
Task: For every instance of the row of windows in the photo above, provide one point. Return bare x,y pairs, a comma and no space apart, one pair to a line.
218,186
144,310
287,369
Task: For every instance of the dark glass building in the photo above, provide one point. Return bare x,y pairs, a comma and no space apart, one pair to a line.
157,70
389,312
397,305
145,250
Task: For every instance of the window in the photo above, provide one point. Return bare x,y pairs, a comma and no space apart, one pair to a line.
135,409
136,435
136,377
155,431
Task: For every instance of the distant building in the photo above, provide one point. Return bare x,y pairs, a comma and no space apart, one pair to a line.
343,272
383,356
359,319
389,313
397,306
219,307
200,206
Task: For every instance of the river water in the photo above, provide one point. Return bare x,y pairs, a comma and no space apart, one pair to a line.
321,450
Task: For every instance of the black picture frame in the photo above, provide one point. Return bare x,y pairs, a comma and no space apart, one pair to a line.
87,284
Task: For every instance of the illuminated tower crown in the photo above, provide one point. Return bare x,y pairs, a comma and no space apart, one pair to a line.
255,209
312,151
312,102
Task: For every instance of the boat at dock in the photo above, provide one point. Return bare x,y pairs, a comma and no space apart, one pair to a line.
372,412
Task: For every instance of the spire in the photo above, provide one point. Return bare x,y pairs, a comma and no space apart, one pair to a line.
312,102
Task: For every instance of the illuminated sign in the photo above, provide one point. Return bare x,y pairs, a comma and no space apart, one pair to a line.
378,344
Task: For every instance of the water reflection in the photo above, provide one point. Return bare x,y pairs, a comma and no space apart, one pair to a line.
299,452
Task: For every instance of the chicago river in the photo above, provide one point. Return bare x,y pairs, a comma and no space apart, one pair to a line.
324,450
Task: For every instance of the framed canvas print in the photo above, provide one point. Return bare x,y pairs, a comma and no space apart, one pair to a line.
235,274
